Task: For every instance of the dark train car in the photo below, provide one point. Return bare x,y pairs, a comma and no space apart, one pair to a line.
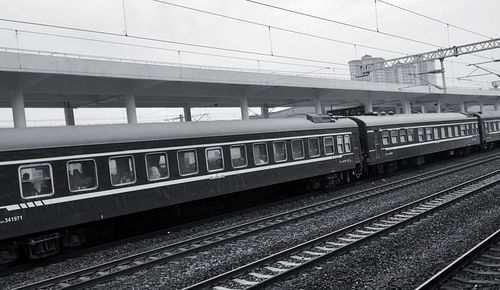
489,127
390,138
54,178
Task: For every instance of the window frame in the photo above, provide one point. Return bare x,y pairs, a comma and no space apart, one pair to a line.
388,136
133,166
309,147
333,145
147,167
221,155
244,150
30,166
403,136
428,132
267,153
410,132
443,132
347,137
394,136
421,137
340,144
96,175
195,157
303,149
435,133
274,152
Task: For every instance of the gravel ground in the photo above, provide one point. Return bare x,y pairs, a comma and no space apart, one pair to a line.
408,258
204,264
229,256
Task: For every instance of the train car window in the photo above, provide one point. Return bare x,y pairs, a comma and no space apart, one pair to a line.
462,130
469,129
385,137
435,132
497,125
157,166
450,132
188,162
122,170
239,156
82,175
420,133
215,162
402,135
329,145
314,147
347,143
394,136
297,149
443,132
428,133
456,131
260,155
340,144
410,135
36,180
279,148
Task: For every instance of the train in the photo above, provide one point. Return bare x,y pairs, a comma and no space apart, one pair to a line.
54,179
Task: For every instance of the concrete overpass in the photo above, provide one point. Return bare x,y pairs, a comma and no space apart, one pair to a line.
51,80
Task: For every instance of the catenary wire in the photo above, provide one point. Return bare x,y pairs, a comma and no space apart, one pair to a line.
434,19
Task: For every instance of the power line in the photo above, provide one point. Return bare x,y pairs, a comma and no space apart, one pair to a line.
285,29
277,27
434,19
159,48
107,33
351,25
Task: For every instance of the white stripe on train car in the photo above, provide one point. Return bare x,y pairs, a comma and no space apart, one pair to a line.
177,181
153,150
428,142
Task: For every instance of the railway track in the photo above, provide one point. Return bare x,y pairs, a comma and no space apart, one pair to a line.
279,266
478,268
101,273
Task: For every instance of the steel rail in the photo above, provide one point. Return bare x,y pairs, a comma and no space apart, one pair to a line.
281,265
105,272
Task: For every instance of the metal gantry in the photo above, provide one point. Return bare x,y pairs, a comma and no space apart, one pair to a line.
439,54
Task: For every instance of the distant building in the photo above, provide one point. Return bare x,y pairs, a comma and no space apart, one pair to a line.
410,74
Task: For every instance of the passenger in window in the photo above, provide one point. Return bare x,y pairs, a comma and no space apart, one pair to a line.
28,186
126,178
262,158
154,173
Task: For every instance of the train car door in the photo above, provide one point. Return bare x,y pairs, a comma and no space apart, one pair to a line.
378,143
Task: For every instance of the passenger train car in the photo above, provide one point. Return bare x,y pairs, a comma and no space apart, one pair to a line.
389,139
52,179
489,124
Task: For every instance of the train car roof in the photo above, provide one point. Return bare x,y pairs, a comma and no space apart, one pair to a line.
379,120
51,137
490,114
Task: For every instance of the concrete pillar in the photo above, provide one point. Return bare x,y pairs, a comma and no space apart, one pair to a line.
131,110
18,111
69,115
438,106
187,114
463,108
406,106
244,108
497,105
397,109
423,109
265,111
368,105
481,106
318,109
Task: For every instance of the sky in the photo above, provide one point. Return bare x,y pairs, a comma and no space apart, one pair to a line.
269,38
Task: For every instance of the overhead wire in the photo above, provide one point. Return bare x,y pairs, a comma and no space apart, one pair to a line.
351,25
434,19
108,33
158,47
